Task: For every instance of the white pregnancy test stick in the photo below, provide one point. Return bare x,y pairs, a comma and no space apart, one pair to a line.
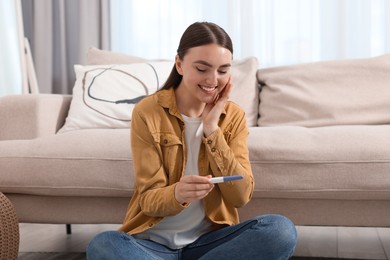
225,178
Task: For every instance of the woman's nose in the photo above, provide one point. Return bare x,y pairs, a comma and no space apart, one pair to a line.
212,79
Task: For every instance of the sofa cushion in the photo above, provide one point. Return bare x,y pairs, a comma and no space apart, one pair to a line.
335,162
245,92
94,162
338,162
104,95
345,92
96,56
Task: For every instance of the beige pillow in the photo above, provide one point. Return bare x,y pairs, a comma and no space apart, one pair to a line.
341,92
245,92
96,56
246,89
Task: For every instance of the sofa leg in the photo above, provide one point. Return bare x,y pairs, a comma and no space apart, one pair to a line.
68,229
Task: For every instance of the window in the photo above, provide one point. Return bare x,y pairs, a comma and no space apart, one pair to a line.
277,32
10,68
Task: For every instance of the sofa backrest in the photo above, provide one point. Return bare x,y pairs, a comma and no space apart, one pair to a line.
340,92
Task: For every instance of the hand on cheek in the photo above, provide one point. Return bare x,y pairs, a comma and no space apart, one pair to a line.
212,111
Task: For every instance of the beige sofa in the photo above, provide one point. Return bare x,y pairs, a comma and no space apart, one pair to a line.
319,147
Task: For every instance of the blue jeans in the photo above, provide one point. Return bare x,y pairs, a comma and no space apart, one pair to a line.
269,237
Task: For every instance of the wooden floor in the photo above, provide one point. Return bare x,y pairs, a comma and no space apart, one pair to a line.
332,242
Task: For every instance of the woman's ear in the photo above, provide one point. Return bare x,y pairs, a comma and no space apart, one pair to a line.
178,65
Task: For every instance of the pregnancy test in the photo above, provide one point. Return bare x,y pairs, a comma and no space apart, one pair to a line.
225,179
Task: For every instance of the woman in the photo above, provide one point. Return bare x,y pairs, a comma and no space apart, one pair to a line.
182,136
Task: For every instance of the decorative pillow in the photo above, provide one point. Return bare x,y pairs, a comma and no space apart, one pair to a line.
245,91
341,92
104,95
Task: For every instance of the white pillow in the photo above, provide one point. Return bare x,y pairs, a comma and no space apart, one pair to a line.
104,95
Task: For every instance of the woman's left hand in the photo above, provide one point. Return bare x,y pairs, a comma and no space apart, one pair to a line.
212,111
192,187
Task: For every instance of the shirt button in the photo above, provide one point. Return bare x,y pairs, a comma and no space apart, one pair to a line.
165,141
209,142
151,225
213,149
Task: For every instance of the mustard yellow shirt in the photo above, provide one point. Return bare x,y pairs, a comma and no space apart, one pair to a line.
159,154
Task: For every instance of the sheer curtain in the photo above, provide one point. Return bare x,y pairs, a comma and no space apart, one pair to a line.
60,32
10,65
277,32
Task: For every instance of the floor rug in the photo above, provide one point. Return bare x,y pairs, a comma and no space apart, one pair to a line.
51,256
81,256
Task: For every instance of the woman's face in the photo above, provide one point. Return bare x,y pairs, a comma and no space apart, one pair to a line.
205,70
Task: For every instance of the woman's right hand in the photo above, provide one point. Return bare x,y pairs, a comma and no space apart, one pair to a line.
212,111
192,187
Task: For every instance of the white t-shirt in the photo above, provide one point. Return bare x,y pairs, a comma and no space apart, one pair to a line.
184,228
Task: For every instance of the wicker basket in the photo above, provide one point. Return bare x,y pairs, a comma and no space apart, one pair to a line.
9,230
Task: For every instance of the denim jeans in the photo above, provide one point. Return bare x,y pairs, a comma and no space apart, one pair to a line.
269,237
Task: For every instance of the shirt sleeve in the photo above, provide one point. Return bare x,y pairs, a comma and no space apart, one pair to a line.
228,154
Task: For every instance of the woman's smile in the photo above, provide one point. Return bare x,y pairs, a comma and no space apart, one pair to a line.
208,89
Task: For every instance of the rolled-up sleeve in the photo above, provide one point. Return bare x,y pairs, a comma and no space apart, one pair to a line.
227,151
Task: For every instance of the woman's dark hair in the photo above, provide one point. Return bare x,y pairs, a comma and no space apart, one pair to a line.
197,34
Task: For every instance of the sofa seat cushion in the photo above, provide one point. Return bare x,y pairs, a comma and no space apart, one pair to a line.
336,162
94,162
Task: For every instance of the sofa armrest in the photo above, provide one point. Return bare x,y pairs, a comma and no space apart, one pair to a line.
32,116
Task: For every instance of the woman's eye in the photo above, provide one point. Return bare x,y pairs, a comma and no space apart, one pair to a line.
222,72
200,69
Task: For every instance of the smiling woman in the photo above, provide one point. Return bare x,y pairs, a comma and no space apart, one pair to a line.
189,132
